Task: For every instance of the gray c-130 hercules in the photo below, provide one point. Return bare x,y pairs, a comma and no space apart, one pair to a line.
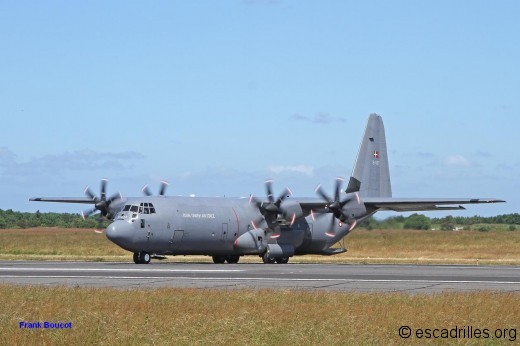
273,228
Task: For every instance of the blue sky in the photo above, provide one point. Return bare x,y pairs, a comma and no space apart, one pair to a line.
217,96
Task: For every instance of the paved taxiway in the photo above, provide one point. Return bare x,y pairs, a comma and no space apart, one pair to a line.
338,277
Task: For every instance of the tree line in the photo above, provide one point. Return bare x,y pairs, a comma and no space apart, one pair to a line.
10,219
447,223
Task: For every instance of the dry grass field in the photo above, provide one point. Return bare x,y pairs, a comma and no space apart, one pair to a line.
246,317
376,246
259,317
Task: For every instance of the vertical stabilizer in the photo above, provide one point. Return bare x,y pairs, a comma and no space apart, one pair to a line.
371,175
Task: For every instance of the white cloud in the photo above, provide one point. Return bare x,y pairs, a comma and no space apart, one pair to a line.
85,160
301,169
7,157
320,118
457,161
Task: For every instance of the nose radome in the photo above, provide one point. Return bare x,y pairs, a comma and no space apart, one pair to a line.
120,233
111,232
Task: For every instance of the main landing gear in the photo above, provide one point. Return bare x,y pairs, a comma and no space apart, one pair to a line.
269,260
228,259
142,257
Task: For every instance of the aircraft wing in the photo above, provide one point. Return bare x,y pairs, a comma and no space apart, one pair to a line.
422,204
84,200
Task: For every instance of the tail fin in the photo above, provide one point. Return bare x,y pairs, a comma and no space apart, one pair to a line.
371,175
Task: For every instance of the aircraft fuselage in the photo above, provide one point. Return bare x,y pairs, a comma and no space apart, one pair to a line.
209,226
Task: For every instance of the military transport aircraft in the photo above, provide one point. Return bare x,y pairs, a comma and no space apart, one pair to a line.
273,228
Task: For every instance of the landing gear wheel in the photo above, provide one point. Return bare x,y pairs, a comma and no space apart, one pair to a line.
282,260
142,257
267,259
233,259
219,259
145,257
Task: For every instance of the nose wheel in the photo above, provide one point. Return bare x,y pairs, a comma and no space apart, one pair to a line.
142,257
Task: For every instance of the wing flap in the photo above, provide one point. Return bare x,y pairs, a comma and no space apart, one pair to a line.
83,200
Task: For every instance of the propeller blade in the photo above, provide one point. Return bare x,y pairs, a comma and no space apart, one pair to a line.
337,190
86,213
331,232
286,193
104,189
162,189
255,202
99,228
88,192
146,191
114,197
257,222
344,202
322,193
269,190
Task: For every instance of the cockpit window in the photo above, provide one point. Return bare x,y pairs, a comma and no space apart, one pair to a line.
146,208
143,208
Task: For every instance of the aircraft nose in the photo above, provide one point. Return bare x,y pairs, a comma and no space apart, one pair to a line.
120,233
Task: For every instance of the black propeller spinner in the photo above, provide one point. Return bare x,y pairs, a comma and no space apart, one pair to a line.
162,189
271,209
101,203
335,206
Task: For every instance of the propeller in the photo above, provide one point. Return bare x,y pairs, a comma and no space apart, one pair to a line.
335,206
162,189
270,210
101,204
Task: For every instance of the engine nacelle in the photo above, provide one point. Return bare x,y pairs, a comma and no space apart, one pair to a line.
290,212
279,250
250,242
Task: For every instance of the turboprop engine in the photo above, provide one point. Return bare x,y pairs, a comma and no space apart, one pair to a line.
290,211
251,242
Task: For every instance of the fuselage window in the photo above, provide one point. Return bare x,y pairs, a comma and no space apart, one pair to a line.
127,207
134,209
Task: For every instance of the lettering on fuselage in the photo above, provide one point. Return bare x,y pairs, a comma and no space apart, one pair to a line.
198,216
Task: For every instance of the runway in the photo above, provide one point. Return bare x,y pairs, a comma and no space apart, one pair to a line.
329,277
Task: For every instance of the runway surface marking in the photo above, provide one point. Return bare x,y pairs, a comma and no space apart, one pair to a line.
125,270
262,279
366,278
